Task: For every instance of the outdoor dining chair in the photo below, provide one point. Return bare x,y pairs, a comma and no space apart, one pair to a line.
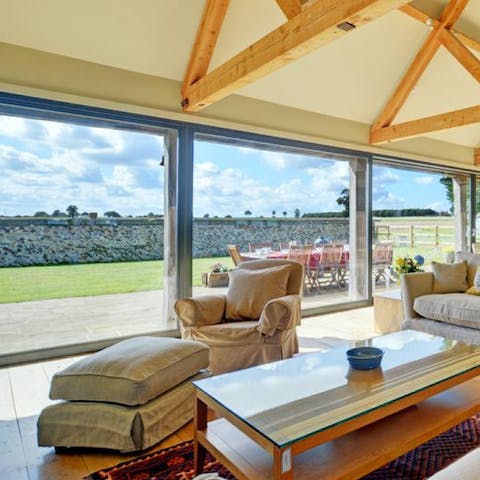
237,257
382,257
302,254
328,267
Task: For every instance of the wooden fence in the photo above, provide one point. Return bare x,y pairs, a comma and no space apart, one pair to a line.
414,235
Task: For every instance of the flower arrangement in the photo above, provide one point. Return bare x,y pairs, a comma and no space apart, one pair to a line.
409,264
218,268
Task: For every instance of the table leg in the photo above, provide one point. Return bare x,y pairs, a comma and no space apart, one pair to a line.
282,464
200,423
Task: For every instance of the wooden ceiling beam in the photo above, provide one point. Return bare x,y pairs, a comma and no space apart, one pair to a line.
424,56
414,128
467,41
290,8
409,80
461,53
318,24
205,41
424,18
476,155
451,12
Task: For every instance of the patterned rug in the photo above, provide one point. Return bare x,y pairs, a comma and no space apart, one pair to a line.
176,463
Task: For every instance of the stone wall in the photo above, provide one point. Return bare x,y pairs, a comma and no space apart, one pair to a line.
210,236
23,242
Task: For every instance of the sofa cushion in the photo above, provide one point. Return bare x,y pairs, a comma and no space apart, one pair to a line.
473,261
454,308
250,290
130,372
475,288
449,277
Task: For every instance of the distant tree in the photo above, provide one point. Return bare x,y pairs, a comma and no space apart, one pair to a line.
344,200
112,214
207,215
41,214
273,213
57,213
150,214
228,216
72,211
296,212
447,182
84,214
247,213
284,213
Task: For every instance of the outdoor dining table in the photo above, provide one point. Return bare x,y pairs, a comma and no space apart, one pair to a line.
314,257
338,274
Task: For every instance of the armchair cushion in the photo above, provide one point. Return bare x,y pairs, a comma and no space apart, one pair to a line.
281,313
205,310
250,290
449,278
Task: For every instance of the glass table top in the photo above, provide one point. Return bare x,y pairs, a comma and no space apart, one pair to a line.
292,399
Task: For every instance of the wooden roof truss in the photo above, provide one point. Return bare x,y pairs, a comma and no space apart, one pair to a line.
313,23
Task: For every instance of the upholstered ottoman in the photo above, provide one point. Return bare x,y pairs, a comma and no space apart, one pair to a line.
126,397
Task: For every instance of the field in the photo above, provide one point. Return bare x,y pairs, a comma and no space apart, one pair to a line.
21,284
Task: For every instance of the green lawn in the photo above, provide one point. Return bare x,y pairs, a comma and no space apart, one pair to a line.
20,284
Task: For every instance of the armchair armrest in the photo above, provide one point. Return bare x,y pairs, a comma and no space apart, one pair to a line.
414,285
205,310
283,313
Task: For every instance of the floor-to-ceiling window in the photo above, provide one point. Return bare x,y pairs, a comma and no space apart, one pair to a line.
125,176
81,233
270,201
420,214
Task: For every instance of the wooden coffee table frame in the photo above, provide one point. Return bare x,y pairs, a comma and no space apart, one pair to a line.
236,444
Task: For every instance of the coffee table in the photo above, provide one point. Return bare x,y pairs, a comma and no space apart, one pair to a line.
313,417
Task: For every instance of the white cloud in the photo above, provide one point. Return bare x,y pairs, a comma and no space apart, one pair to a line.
384,199
383,175
276,160
12,126
424,180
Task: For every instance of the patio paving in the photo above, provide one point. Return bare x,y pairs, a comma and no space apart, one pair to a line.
28,326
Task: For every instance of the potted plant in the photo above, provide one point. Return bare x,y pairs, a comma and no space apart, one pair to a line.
217,276
409,264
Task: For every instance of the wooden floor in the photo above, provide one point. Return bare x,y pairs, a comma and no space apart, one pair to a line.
24,392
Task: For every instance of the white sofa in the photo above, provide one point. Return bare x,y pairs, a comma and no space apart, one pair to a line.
465,468
451,315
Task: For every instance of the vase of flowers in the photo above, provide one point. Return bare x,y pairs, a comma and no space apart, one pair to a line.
217,276
409,264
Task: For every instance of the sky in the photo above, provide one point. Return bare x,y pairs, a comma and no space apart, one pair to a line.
49,165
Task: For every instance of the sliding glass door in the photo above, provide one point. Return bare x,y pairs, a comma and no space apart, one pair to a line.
420,214
271,201
82,233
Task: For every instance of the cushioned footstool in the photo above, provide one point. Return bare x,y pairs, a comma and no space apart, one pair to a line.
126,397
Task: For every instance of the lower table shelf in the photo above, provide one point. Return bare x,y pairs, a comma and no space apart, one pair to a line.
355,454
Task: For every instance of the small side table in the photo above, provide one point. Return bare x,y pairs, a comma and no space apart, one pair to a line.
387,311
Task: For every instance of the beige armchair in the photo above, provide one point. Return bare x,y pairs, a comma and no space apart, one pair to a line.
254,322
